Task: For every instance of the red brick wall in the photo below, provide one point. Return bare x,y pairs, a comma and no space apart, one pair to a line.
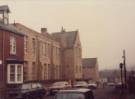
19,43
0,55
19,55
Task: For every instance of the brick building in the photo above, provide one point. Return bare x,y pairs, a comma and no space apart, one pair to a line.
90,69
11,53
71,54
42,54
30,52
28,55
50,55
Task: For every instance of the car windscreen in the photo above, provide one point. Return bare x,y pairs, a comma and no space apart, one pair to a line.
59,83
26,86
70,96
81,83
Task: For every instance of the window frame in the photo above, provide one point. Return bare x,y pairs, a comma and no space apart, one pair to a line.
26,44
15,74
13,45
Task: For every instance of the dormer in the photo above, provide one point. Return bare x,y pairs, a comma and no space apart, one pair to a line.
4,18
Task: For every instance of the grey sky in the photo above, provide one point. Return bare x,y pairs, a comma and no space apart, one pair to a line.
106,26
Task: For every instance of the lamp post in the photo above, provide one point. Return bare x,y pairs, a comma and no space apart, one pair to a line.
121,67
125,70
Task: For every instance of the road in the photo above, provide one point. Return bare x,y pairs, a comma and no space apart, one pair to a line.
105,93
110,92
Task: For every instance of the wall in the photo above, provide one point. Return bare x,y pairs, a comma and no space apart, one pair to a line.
91,73
5,54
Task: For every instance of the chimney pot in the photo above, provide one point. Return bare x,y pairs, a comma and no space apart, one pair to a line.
43,30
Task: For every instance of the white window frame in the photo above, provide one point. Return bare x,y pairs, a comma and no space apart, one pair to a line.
12,45
16,74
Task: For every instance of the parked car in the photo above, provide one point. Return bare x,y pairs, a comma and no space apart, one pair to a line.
55,87
81,84
81,93
111,84
119,85
92,86
26,91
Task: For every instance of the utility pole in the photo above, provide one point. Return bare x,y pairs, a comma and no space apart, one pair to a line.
121,69
124,64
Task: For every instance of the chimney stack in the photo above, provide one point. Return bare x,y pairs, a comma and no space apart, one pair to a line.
62,29
43,30
4,11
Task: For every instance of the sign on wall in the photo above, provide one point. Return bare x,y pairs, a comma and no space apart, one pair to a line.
0,62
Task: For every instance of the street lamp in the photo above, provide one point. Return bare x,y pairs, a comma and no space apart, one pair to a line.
121,67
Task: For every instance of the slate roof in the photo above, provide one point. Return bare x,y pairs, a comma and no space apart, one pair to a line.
89,62
69,36
17,25
4,7
10,28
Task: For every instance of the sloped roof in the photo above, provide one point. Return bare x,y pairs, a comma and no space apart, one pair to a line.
69,36
10,28
33,31
21,25
4,7
48,35
89,62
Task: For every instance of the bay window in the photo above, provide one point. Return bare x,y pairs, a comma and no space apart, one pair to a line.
15,73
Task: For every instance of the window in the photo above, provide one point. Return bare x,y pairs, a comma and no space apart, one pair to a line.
19,72
45,71
34,45
12,45
41,49
1,18
44,49
33,70
49,50
15,73
49,71
12,73
26,44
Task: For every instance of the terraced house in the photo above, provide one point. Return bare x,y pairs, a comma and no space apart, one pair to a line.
42,55
11,53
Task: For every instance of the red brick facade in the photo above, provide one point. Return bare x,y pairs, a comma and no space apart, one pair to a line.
7,58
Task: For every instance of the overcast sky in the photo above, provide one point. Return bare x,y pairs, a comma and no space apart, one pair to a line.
106,27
